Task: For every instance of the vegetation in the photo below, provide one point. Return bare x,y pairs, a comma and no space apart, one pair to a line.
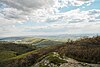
52,59
7,54
38,42
28,59
48,43
9,50
84,49
56,59
30,40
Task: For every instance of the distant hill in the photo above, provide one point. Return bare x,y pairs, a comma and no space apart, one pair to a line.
11,38
61,37
38,41
65,37
47,43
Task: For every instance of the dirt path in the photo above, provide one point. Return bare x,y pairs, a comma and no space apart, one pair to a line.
74,63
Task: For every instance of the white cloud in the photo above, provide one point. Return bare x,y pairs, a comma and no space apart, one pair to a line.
10,16
27,5
19,11
40,10
80,2
37,27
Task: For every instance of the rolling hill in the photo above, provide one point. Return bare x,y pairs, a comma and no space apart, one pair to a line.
22,45
72,53
32,40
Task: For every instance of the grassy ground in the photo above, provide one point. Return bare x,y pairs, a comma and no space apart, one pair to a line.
7,54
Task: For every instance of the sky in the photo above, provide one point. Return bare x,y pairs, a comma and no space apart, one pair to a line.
49,17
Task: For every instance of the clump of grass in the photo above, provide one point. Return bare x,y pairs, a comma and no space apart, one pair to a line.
56,59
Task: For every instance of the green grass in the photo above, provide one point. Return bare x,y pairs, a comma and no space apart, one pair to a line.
9,50
51,58
55,58
29,58
30,40
19,48
6,55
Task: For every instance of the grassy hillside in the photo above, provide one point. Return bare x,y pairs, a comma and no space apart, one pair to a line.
7,54
28,59
30,40
38,42
8,49
87,52
47,43
85,49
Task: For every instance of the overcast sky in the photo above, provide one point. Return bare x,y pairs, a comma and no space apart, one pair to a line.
49,17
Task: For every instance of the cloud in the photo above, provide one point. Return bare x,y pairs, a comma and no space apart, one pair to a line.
36,10
11,16
36,4
76,16
27,5
81,2
46,11
11,13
